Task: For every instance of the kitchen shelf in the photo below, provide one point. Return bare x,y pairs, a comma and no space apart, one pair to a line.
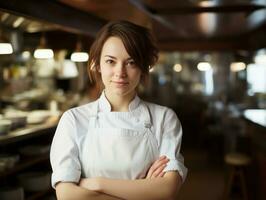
17,139
27,132
24,164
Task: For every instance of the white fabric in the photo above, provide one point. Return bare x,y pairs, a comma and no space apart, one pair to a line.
92,141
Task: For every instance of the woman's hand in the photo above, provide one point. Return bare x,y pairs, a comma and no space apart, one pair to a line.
92,184
156,169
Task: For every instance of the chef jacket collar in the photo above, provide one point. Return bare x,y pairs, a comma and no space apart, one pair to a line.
105,106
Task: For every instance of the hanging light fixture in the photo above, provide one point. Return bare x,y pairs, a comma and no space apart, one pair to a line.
237,66
177,67
78,55
204,66
42,52
5,46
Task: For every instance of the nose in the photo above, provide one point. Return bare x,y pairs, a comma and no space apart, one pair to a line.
120,71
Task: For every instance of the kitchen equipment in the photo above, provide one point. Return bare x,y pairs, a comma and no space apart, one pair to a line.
11,193
35,181
8,160
5,126
18,118
38,116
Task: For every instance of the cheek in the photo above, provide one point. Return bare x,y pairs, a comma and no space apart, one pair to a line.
105,72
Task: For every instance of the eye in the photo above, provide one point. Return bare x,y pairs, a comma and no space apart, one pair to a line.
109,61
131,63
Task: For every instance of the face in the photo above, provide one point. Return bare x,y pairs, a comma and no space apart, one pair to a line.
120,74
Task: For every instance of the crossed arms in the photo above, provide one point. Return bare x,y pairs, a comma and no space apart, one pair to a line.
157,185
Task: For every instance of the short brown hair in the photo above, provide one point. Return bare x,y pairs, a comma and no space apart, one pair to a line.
138,41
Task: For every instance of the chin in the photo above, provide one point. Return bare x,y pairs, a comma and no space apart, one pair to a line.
122,92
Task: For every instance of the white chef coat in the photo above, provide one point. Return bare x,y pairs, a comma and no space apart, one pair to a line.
91,141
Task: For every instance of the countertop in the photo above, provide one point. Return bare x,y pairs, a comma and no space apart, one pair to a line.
27,132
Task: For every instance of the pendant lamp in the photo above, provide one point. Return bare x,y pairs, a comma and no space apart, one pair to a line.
5,46
42,52
78,55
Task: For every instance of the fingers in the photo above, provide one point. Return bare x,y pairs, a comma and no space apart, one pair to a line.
158,171
153,166
157,167
161,174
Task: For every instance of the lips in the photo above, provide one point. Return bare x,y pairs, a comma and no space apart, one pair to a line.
120,83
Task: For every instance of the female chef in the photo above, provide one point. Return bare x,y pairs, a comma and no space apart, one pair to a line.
119,146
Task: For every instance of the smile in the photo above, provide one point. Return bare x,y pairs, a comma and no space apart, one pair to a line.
121,83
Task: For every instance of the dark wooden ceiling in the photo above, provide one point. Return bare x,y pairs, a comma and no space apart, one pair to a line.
177,24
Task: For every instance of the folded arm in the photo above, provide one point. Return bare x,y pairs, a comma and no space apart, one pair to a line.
71,191
156,186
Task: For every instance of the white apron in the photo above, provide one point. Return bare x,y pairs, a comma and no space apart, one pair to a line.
116,152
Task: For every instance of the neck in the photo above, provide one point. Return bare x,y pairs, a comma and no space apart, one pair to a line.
119,103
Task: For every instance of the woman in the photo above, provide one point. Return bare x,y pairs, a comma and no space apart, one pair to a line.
119,146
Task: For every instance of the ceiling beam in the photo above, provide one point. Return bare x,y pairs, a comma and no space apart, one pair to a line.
56,13
147,10
183,10
205,45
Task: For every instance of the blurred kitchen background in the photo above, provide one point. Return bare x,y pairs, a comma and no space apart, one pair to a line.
211,71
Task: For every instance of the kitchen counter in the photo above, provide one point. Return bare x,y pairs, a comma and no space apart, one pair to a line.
28,132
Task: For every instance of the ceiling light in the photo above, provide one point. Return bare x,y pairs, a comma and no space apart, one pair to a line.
42,52
204,3
25,55
18,22
5,46
177,68
78,55
207,3
204,66
237,66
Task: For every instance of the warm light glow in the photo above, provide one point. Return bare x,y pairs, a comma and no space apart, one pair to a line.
25,55
18,22
204,66
237,66
69,70
79,57
207,23
207,3
256,78
6,48
260,59
177,68
43,53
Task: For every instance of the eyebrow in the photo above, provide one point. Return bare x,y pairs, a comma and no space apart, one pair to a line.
116,58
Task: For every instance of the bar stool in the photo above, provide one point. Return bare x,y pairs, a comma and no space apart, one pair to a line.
237,163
